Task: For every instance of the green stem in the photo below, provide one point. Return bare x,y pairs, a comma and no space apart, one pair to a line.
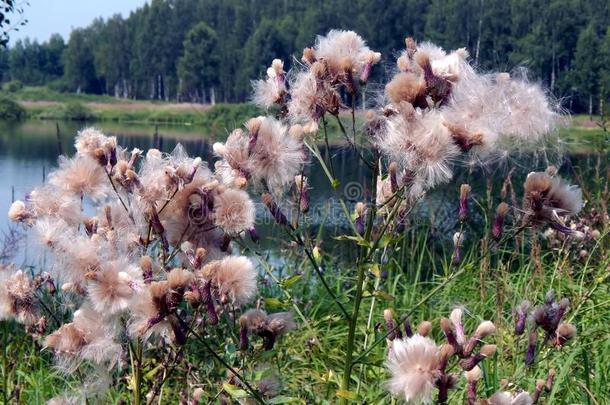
222,361
136,365
5,396
353,320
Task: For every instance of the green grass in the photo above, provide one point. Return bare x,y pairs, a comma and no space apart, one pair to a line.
420,282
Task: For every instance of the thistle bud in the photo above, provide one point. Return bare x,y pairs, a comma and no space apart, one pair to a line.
424,328
309,56
51,288
446,352
530,354
472,377
521,317
458,241
147,269
179,333
18,212
209,301
253,125
463,211
449,334
456,319
390,325
565,332
275,211
243,333
301,185
498,225
408,328
485,329
486,351
253,234
360,218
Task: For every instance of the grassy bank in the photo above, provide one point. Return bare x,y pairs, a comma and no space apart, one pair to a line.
42,103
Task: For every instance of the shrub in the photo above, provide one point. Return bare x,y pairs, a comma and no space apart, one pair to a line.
76,111
13,86
11,110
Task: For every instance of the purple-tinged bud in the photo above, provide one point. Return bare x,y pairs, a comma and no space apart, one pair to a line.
360,218
51,286
253,125
458,241
189,252
301,187
444,383
154,320
424,328
530,354
521,317
253,235
564,333
456,320
366,72
560,310
472,377
179,333
195,166
549,380
484,329
450,334
157,226
471,362
464,192
408,328
445,354
268,339
147,269
498,225
540,384
207,298
112,160
371,59
243,333
275,211
393,331
225,243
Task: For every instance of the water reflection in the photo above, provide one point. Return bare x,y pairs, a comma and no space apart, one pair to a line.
28,151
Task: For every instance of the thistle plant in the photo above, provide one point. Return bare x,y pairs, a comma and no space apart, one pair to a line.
157,263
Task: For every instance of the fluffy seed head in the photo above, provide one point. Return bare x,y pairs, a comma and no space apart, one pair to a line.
235,278
234,211
414,366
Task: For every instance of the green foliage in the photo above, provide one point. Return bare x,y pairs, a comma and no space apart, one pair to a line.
223,118
184,49
12,86
10,110
198,66
75,111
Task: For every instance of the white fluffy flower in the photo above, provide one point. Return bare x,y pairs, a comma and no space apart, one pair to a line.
413,363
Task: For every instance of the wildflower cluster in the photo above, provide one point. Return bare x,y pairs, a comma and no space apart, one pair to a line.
142,242
419,366
547,317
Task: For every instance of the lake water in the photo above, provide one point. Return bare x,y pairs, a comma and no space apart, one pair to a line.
29,150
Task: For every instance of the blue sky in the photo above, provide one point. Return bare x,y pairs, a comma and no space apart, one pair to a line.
46,17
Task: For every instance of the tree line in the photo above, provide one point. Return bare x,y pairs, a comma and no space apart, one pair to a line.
209,50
